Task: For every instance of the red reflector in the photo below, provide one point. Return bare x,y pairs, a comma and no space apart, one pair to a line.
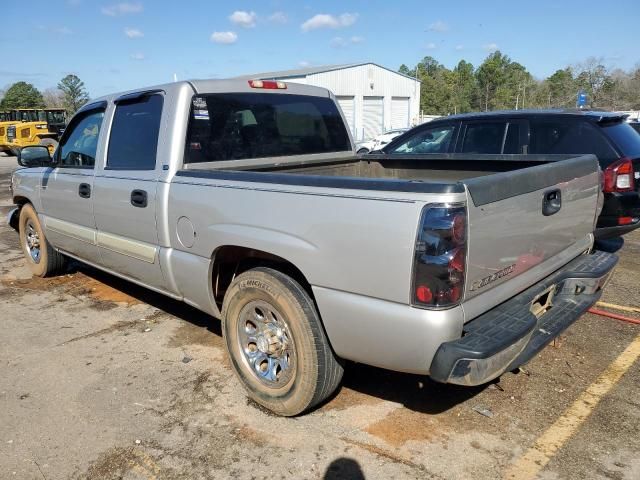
423,294
267,84
458,229
625,220
457,262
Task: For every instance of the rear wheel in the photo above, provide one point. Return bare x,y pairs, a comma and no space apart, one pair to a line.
363,150
50,143
276,342
43,260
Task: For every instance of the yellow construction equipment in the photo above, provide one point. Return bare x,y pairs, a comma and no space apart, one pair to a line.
32,128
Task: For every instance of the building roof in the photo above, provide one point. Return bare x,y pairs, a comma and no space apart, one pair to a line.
303,72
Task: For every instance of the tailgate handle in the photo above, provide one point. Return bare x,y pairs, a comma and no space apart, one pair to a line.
551,202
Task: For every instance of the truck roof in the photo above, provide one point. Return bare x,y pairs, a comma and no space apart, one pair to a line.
203,86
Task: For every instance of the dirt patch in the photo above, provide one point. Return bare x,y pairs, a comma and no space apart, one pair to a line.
386,454
190,334
348,398
403,425
117,462
76,284
116,327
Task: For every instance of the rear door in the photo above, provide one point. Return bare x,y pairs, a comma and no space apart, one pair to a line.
493,136
527,223
125,198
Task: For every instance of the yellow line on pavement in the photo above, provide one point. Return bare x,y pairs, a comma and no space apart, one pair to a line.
618,307
546,446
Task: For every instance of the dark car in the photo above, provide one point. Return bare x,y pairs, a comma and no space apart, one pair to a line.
545,132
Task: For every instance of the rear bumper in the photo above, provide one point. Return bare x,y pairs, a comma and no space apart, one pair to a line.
509,335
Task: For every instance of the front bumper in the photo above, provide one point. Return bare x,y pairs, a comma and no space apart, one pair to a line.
510,335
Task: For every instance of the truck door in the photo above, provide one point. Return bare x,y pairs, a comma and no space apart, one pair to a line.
67,189
125,198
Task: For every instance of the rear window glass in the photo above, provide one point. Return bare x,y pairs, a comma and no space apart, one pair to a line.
134,134
237,126
624,137
484,138
568,137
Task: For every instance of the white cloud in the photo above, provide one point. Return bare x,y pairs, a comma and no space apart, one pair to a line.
133,33
243,19
278,17
137,56
340,42
224,38
304,63
323,20
431,46
459,47
123,8
490,47
438,26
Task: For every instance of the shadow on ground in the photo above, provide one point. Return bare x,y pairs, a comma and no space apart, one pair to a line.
415,392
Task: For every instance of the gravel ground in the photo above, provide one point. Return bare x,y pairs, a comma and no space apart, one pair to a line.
102,379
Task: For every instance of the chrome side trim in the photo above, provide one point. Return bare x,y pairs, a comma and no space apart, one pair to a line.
131,248
73,230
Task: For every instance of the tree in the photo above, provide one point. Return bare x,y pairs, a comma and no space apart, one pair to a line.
22,95
562,89
75,95
595,79
53,98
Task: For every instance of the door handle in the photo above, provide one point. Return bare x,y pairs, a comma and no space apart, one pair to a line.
84,190
551,202
139,198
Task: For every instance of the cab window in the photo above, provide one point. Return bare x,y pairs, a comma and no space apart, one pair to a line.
79,145
484,137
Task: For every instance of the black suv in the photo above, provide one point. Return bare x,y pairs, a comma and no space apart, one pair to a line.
545,132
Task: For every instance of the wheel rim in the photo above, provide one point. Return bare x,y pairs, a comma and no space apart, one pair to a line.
267,347
32,241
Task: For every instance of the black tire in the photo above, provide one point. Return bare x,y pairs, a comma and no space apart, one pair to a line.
50,143
312,373
363,151
48,262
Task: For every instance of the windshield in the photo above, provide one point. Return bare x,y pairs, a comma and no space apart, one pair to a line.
233,126
27,115
625,138
55,117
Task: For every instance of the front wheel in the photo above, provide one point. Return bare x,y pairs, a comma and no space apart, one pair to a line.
363,151
42,258
276,342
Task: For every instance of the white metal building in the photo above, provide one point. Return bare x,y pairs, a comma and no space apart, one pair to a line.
373,98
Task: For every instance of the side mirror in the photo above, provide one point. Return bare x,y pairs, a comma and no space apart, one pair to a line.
35,156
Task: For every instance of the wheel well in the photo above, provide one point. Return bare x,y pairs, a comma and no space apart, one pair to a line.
20,201
230,261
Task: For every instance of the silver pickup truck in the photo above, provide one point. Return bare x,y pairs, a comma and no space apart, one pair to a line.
245,200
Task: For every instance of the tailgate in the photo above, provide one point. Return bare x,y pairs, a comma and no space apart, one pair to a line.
525,224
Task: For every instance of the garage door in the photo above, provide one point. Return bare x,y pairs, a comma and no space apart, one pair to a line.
347,104
399,112
372,116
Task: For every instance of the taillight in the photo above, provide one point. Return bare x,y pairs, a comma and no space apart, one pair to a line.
267,84
440,257
618,177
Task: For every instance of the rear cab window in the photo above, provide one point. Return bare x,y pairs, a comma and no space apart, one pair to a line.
234,126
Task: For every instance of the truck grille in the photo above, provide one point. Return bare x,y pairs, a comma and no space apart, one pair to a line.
11,133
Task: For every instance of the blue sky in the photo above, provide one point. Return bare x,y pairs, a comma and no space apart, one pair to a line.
117,45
